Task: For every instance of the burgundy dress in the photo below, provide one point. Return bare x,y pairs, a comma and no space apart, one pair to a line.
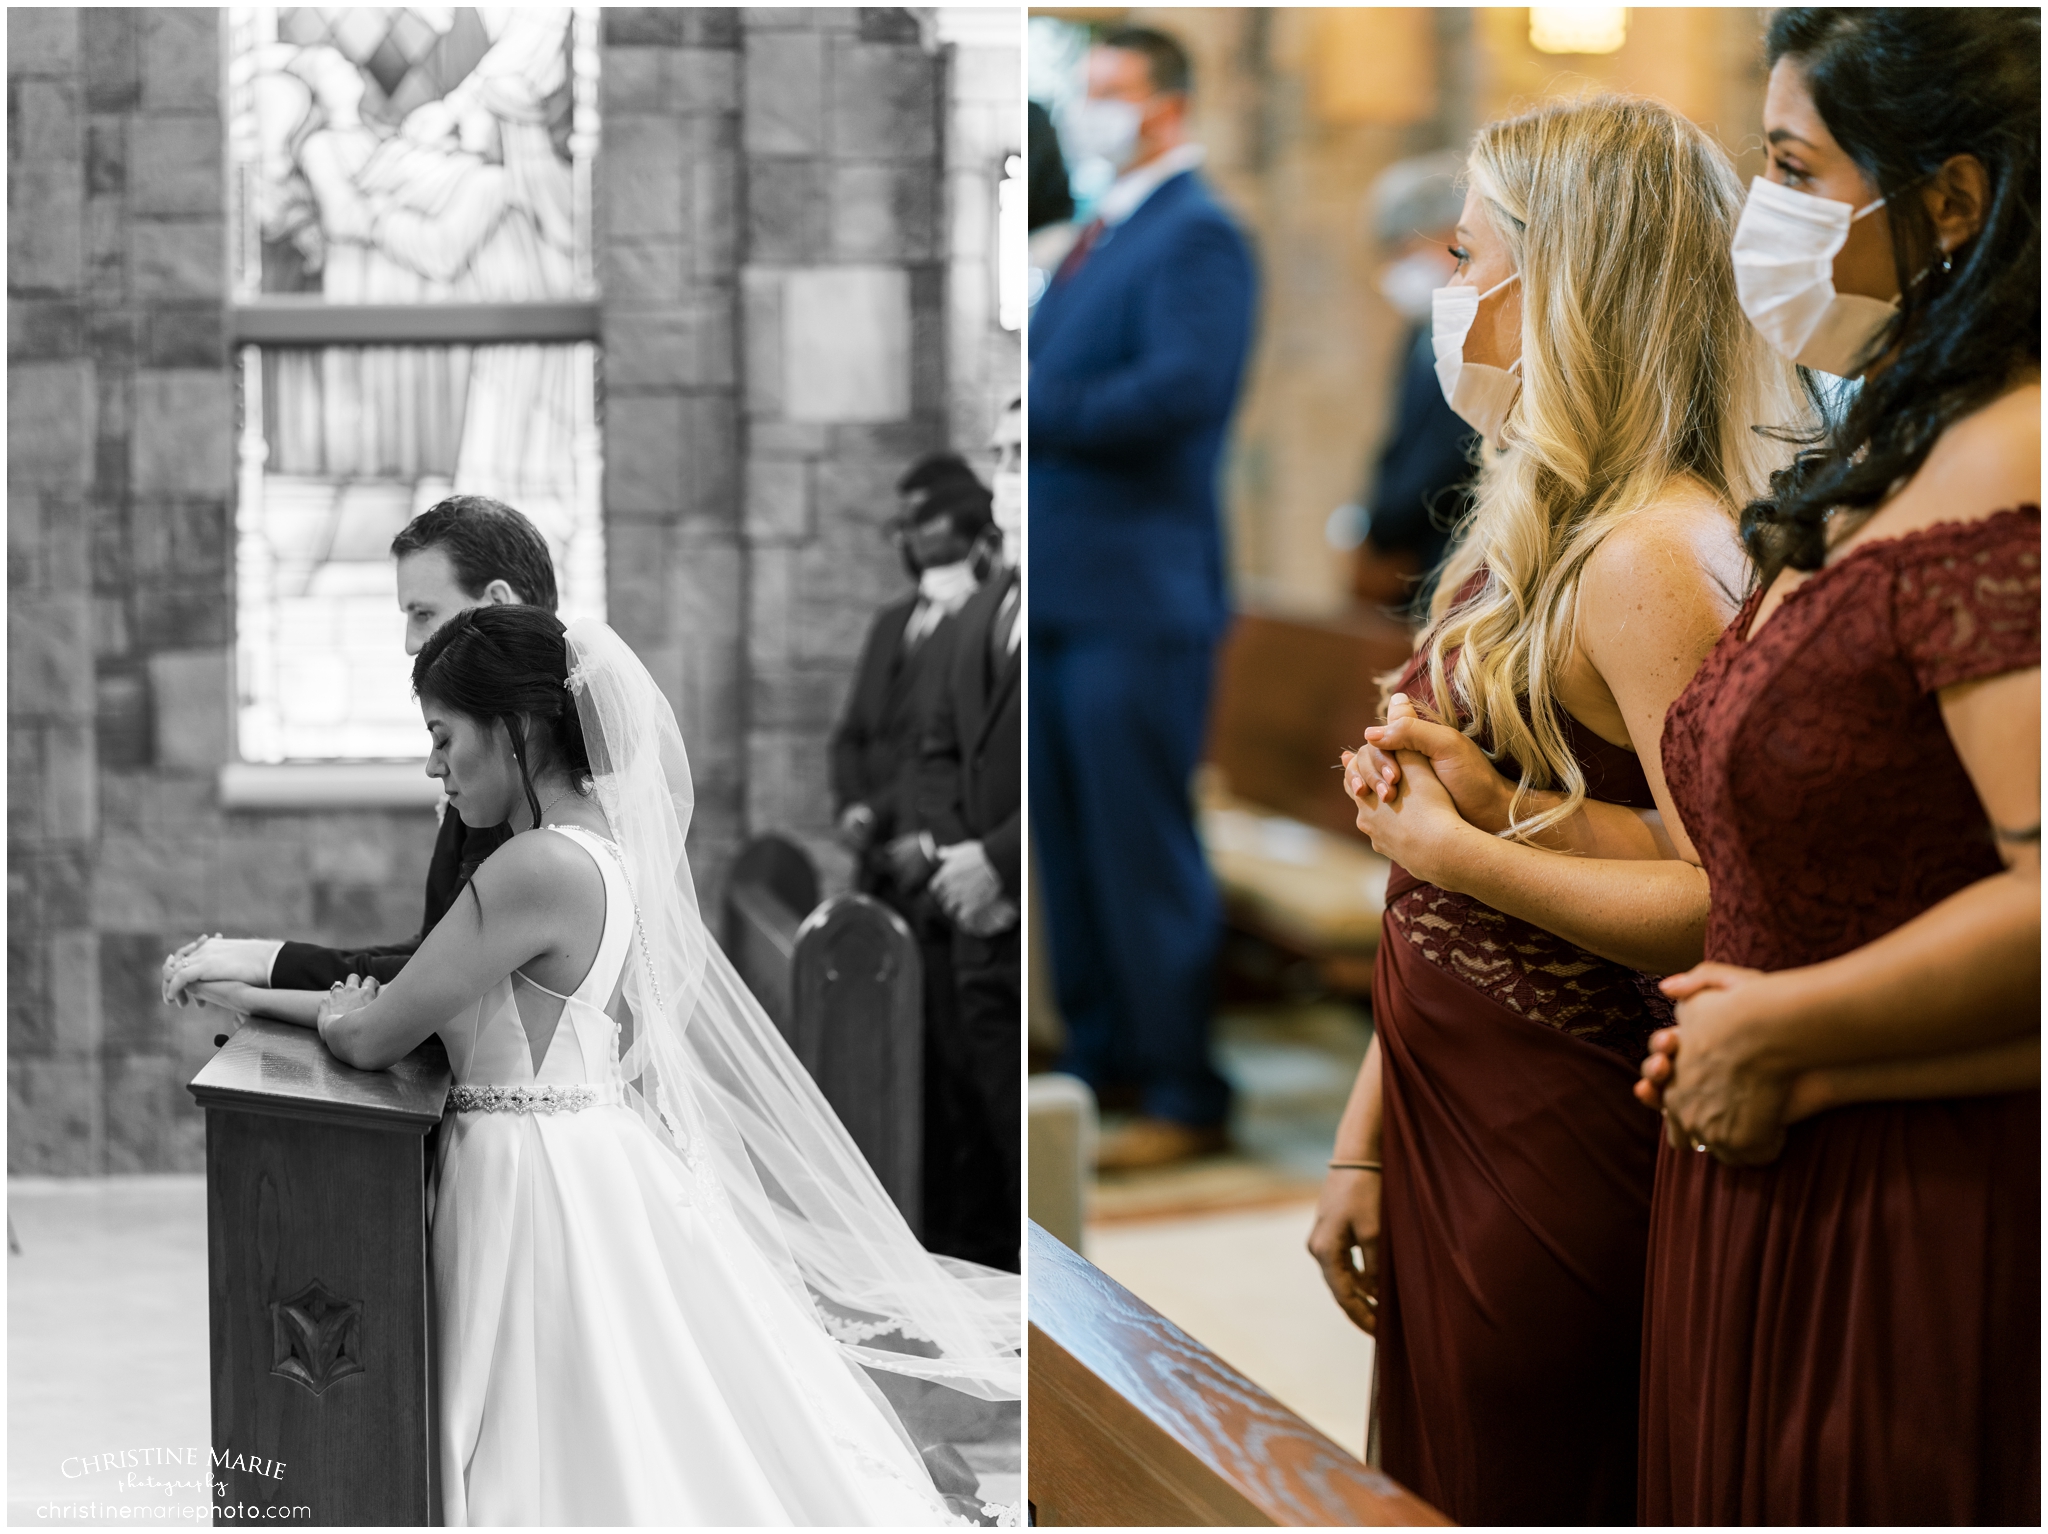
1852,1333
1516,1200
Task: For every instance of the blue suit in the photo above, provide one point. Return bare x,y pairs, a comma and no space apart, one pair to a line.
1136,361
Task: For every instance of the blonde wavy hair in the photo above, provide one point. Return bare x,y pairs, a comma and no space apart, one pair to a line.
1638,369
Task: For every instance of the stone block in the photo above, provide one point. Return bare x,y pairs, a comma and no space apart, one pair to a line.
643,180
44,123
31,1025
138,801
70,781
703,79
188,539
789,439
759,19
634,80
885,103
109,628
65,562
784,107
787,782
49,655
128,973
106,250
761,300
711,458
52,418
50,886
884,212
113,82
806,699
636,581
106,156
888,24
24,783
178,258
715,190
643,455
192,692
264,883
365,847
45,229
180,55
53,1111
155,883
772,599
846,344
711,26
642,27
41,330
186,337
145,1104
176,168
42,40
183,443
644,271
183,614
127,736
778,500
74,990
787,213
349,914
689,347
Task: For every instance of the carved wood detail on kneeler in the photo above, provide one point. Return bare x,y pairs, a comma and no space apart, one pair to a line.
1134,1422
322,1306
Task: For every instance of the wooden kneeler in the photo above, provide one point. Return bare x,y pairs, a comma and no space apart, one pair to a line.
322,1309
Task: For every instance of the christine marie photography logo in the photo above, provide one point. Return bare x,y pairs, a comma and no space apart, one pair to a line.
138,1484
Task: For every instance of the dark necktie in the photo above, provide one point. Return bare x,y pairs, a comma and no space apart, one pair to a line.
1003,632
1071,263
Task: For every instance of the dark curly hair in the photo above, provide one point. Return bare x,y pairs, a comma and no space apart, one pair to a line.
485,540
1903,91
510,663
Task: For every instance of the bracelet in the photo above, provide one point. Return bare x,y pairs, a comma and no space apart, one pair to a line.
1354,1166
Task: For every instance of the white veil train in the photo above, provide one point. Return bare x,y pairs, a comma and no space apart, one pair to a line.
712,1077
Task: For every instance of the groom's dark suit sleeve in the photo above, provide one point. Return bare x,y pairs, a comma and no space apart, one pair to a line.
309,967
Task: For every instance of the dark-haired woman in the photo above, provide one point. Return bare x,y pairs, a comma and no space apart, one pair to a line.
1843,1318
662,1271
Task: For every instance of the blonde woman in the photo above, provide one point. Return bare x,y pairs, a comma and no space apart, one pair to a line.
1487,1209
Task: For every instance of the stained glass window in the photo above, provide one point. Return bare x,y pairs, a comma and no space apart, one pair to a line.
407,164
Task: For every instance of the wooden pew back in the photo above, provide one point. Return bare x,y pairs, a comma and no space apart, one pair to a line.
1133,1422
857,980
773,886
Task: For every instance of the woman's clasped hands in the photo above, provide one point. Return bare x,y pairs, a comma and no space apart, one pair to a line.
1423,790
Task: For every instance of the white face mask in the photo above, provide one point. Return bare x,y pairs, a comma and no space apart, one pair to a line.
948,586
1480,393
1008,512
1102,128
1410,283
1784,250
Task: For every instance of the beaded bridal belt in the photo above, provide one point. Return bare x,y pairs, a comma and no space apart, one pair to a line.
497,1099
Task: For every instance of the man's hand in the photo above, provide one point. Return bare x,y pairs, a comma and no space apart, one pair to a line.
968,890
243,959
909,865
856,827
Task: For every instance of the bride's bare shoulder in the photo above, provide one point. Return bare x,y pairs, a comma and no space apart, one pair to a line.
539,866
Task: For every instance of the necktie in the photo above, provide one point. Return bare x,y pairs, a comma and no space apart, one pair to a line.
1003,633
1071,263
924,618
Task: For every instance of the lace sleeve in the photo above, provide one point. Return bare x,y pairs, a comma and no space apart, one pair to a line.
1966,598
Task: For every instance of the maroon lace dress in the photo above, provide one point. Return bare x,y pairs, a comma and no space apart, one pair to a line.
1516,1200
1852,1333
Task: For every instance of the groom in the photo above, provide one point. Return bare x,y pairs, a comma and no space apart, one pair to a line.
463,552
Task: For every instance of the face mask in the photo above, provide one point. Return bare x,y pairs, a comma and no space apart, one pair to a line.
1410,283
1103,129
1008,512
1480,393
1784,250
948,586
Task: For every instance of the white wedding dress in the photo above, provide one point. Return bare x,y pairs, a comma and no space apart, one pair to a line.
613,1349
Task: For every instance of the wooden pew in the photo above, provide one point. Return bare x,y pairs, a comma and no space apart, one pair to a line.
773,886
321,1316
1133,1422
843,981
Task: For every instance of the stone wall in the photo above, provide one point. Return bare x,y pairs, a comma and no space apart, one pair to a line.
771,227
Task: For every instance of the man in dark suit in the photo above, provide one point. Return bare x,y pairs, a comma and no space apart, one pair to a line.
970,793
1137,351
466,551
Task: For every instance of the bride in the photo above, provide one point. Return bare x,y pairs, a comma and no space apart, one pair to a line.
664,1274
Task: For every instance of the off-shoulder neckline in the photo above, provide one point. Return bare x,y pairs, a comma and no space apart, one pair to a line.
1746,622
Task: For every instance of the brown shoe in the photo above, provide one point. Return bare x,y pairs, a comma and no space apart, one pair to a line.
1146,1143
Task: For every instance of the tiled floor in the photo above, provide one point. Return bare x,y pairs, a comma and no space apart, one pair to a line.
107,1351
1218,1246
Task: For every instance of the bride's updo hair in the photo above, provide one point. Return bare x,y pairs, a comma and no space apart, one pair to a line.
510,663
1638,369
